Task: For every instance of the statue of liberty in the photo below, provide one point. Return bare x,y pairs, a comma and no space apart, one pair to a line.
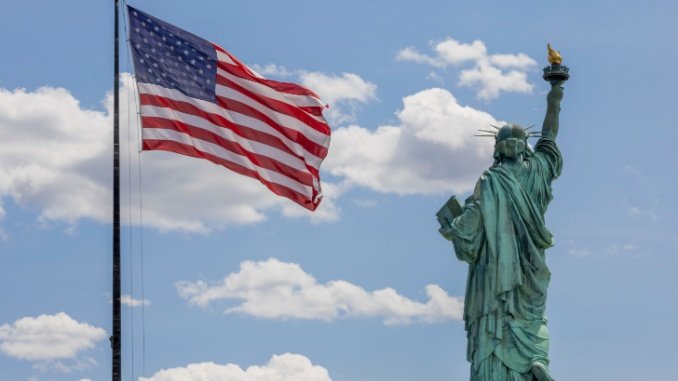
500,232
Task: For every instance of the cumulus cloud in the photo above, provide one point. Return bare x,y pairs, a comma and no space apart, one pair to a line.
431,150
48,337
278,290
56,158
490,74
285,367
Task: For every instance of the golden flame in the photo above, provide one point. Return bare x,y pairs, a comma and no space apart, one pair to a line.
554,57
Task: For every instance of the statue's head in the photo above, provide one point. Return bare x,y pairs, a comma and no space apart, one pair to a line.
510,142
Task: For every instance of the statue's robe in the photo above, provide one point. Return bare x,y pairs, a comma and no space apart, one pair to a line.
502,235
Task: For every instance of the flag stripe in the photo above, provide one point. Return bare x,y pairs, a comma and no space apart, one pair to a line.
188,150
290,127
225,135
240,76
285,87
199,133
215,151
238,125
279,106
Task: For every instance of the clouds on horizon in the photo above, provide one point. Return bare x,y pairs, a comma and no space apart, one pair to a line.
273,289
488,74
285,367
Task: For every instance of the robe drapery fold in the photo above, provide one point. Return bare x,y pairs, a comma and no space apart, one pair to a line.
502,235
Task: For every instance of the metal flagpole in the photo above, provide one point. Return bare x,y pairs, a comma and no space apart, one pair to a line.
116,337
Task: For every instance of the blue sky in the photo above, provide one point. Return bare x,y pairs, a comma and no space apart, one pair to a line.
378,291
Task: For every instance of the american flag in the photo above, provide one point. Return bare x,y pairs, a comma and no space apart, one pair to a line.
198,100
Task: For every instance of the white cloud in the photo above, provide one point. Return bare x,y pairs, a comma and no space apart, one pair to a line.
432,150
278,290
491,80
411,54
488,73
56,158
521,60
128,300
454,52
285,367
48,337
343,93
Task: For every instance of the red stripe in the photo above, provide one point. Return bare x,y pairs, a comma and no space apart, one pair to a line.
183,149
278,106
258,160
242,71
246,132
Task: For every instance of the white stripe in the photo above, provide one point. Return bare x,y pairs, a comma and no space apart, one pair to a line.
218,151
259,88
282,119
252,146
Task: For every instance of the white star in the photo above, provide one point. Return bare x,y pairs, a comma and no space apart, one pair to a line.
185,52
137,29
209,66
193,62
201,58
178,42
200,71
156,29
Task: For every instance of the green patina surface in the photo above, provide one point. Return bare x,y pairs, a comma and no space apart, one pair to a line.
502,235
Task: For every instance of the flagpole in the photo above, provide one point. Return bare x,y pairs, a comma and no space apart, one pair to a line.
116,336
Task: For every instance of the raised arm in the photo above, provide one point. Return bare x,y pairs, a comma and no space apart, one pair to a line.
550,127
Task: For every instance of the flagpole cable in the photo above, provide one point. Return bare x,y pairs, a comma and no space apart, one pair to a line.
140,188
